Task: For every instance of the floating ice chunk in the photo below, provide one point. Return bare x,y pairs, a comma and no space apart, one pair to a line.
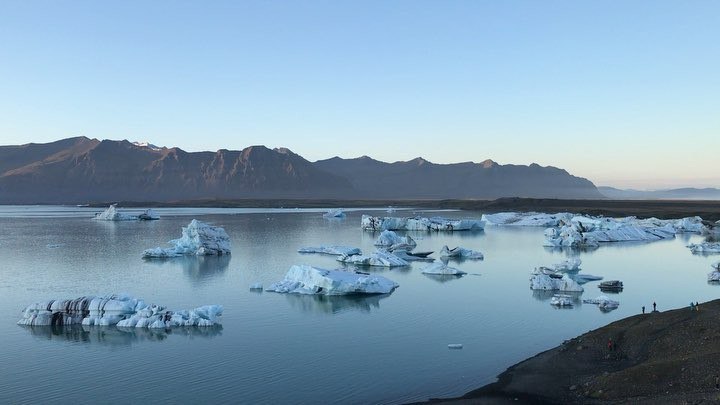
603,302
334,213
256,286
714,275
393,241
526,219
379,258
584,278
460,253
120,310
303,279
420,224
149,215
705,247
561,300
589,232
572,264
198,239
112,214
443,269
332,250
546,282
55,245
455,346
413,256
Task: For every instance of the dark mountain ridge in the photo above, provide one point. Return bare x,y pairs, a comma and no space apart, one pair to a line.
79,170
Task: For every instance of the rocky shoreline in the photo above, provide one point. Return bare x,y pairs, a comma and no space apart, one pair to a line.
658,357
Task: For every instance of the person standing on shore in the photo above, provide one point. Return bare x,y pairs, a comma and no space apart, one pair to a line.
643,309
654,307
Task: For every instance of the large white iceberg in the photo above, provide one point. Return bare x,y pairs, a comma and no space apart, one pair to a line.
120,310
332,250
379,259
540,281
440,268
198,239
460,253
304,279
705,247
420,224
392,241
590,232
526,218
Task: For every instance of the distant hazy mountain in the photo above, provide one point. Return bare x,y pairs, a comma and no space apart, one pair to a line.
671,194
79,170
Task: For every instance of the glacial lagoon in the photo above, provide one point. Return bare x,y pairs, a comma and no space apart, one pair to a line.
277,348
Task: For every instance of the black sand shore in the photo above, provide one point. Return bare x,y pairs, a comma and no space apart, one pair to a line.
657,358
664,209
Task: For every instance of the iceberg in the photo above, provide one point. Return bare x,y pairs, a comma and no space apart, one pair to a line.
336,250
112,214
460,253
119,310
378,259
590,232
334,213
198,239
572,264
603,302
440,268
304,279
393,241
409,256
148,215
705,247
540,281
420,224
561,300
585,278
526,219
256,286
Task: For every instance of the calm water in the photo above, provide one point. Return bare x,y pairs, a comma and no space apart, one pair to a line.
276,348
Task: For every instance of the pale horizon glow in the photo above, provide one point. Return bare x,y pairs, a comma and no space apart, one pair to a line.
624,94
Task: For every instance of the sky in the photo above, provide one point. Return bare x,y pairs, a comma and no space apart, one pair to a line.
624,93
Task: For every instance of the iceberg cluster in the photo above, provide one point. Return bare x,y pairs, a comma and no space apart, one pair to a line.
336,250
541,281
378,259
442,269
460,253
705,247
392,241
527,219
198,239
603,302
120,310
420,224
112,214
303,279
590,232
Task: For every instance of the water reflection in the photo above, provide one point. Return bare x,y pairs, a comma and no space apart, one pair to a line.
196,268
333,304
114,336
545,295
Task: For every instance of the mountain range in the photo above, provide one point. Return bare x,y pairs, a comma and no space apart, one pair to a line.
80,170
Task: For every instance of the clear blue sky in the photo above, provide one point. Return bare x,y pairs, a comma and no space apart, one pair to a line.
625,93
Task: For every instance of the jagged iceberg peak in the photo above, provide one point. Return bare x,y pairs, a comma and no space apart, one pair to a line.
705,248
460,253
584,231
371,223
392,241
336,250
377,259
198,239
440,268
112,214
526,218
116,309
304,279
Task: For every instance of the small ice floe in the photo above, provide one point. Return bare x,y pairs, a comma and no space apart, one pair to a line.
55,245
611,286
442,269
455,346
705,247
334,250
379,259
526,218
149,215
334,213
541,281
460,253
714,276
585,278
120,310
420,224
413,256
392,241
198,239
256,286
112,214
303,279
603,302
561,300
